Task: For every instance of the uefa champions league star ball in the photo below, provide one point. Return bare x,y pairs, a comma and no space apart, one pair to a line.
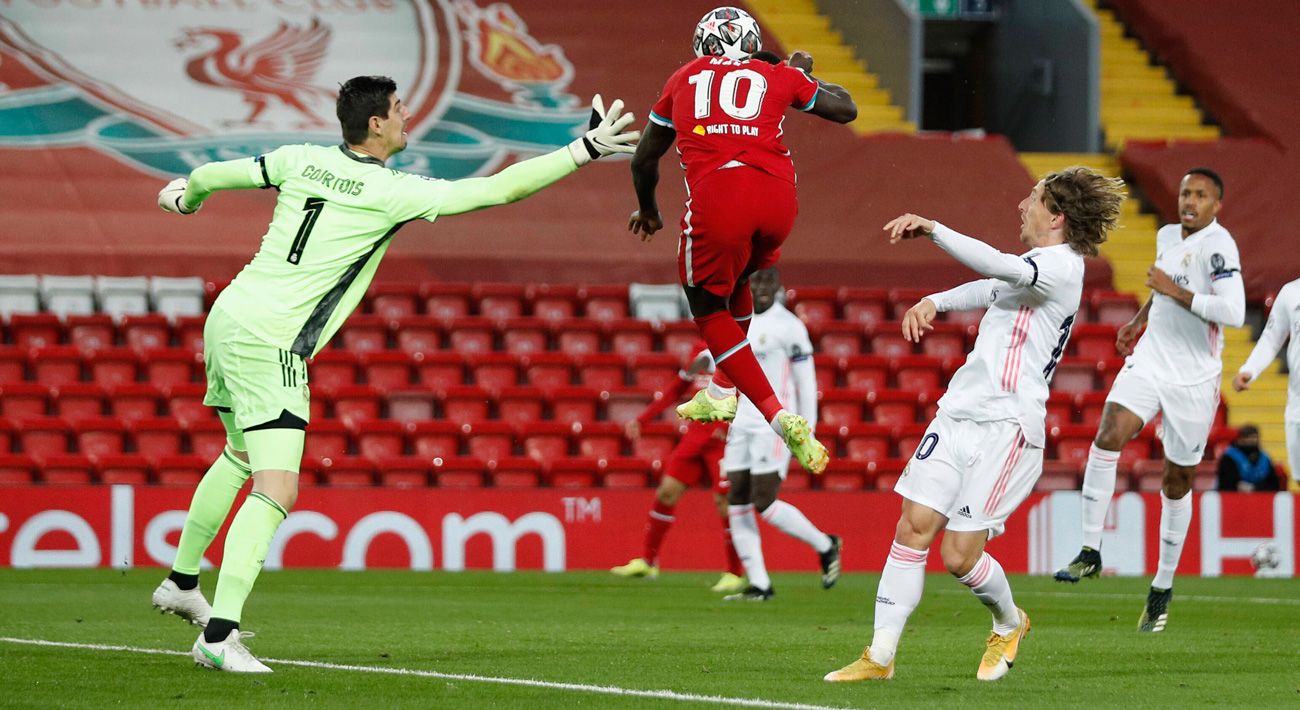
727,32
1265,559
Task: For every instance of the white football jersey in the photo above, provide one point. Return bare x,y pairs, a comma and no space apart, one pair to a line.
1283,323
1180,346
1022,336
779,340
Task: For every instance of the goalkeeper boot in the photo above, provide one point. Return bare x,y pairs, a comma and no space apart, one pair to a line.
1000,654
230,655
862,669
188,604
830,560
1085,564
751,594
637,568
1156,613
705,408
799,437
728,583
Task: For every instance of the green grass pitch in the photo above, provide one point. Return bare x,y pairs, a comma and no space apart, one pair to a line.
1230,642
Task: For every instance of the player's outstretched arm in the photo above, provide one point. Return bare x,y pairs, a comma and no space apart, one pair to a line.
186,195
655,141
1017,271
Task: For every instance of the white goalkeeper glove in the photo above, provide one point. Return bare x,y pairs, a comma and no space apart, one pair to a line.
607,133
171,197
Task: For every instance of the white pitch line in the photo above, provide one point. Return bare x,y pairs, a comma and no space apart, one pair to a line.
1181,597
577,687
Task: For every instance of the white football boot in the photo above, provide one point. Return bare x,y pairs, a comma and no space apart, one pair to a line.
187,604
229,655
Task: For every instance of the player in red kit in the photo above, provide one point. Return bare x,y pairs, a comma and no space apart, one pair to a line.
695,460
725,111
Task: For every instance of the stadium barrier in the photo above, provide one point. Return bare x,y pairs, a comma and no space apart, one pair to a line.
585,528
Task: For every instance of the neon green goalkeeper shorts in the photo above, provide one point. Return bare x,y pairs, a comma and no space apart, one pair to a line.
253,378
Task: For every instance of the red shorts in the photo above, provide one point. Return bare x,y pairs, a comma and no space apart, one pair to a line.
697,458
736,220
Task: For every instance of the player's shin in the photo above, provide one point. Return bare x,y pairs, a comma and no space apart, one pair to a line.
901,584
1098,488
209,507
245,553
989,583
1175,518
791,521
658,522
734,357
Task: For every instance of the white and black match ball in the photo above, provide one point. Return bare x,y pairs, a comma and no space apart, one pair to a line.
727,32
1265,558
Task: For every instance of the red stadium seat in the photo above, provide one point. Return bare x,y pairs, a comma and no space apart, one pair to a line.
654,371
863,305
625,404
42,436
394,301
99,436
841,408
681,339
893,408
410,404
656,441
499,301
901,299
348,472
866,372
1073,444
1148,475
387,369
547,370
1075,376
1113,308
544,441
207,438
840,340
831,437
572,405
604,303
185,402
6,436
490,441
146,331
969,320
493,371
908,439
112,367
362,333
133,401
887,341
815,306
844,475
437,371
471,335
66,469
1090,406
458,472
23,400
356,403
515,472
91,332
55,364
1058,476
123,469
576,337
332,369
626,472
552,303
1060,409
436,439
419,334
1138,449
13,364
180,470
827,370
866,442
445,301
326,438
158,437
379,438
17,469
600,440
947,340
631,337
918,373
1107,371
170,366
521,405
887,473
1093,341
524,335
189,332
573,472
35,330
403,471
466,403
602,371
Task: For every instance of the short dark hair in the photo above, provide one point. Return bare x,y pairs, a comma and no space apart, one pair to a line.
360,98
1213,176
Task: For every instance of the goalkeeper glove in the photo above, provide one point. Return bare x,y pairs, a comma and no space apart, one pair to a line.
172,197
607,133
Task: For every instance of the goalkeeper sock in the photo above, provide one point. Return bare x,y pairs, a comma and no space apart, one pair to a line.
791,521
734,357
246,545
901,584
209,507
1098,488
658,522
989,583
1175,518
749,544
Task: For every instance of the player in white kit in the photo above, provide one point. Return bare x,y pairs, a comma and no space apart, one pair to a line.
756,459
983,451
1174,371
1283,323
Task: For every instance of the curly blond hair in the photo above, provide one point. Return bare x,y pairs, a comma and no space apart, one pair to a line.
1090,202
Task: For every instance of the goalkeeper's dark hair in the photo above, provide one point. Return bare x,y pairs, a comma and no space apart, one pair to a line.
360,98
1090,202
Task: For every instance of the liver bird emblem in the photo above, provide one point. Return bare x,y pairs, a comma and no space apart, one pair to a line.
281,67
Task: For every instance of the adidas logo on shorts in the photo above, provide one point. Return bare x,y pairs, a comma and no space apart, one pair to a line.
964,511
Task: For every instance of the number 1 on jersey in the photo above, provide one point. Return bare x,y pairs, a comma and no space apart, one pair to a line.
313,207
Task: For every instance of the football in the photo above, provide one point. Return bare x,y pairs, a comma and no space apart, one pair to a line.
1265,559
727,32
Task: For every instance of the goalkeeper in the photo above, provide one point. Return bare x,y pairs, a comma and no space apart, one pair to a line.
336,214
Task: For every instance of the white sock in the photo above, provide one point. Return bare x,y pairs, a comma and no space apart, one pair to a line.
775,423
1098,488
899,592
1175,518
717,392
991,587
749,544
791,521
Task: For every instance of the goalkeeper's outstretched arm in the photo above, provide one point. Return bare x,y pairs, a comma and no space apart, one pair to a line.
186,195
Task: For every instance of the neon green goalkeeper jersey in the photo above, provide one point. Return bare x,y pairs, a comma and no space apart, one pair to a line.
334,220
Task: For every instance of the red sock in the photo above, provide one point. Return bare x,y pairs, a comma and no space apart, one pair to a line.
735,358
657,524
741,307
733,560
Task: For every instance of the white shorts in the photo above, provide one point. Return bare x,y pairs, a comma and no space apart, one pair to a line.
1188,410
759,451
974,473
1293,447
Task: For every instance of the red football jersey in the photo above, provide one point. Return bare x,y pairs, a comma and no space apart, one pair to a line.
725,110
